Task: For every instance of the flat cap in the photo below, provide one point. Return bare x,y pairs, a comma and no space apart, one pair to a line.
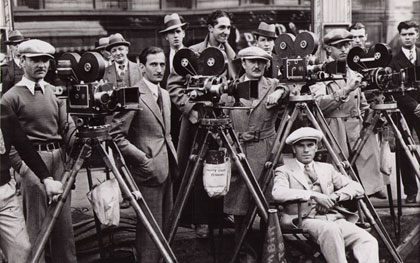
304,133
36,48
253,53
336,36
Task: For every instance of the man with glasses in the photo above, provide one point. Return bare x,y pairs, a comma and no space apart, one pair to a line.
343,103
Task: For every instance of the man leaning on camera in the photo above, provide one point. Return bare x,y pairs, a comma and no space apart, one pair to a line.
44,119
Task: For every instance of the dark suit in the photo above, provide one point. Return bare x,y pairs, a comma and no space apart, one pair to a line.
144,139
407,103
134,73
10,75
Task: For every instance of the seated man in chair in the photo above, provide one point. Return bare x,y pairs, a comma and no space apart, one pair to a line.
321,188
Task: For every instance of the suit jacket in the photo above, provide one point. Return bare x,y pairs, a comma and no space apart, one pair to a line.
134,72
10,75
409,101
290,184
144,139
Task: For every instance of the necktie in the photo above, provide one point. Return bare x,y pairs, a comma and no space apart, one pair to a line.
411,57
310,173
122,70
159,99
37,87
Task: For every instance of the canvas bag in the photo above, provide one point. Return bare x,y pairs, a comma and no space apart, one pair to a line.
216,177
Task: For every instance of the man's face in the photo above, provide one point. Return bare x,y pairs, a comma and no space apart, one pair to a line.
119,53
409,37
265,43
155,67
221,30
305,150
339,51
254,68
175,37
359,37
35,68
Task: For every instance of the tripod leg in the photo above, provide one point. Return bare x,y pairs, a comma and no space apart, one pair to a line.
391,209
266,175
54,211
139,206
187,185
366,205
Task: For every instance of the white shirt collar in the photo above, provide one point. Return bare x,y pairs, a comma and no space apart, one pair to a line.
407,52
302,166
117,66
153,88
31,84
171,57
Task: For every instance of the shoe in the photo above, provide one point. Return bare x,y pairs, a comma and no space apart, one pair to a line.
380,195
411,199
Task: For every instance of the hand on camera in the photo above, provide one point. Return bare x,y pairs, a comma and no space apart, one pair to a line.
274,97
353,82
53,188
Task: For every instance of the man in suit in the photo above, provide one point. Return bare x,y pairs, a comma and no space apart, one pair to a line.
408,103
144,139
122,72
218,24
358,30
323,188
12,72
342,103
265,35
174,33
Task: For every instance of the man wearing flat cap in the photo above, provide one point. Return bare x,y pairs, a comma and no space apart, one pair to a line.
100,46
322,188
44,119
255,128
12,72
122,72
343,102
265,35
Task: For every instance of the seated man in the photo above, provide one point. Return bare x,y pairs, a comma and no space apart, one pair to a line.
330,225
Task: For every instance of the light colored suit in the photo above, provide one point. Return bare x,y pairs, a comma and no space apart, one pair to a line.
134,73
143,136
333,231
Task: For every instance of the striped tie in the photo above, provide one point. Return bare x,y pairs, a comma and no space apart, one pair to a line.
310,173
411,57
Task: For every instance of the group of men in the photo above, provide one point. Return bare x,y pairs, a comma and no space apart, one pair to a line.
146,140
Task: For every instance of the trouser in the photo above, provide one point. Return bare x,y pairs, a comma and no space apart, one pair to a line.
160,202
14,240
62,247
334,237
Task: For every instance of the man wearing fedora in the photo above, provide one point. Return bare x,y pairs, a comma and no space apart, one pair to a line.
322,188
44,119
174,33
342,102
264,38
12,72
122,72
100,46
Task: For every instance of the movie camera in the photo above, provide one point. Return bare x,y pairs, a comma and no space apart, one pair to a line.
89,99
298,63
205,80
373,65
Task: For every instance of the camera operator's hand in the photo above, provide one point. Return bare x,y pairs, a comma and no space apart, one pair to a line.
53,188
353,82
417,111
323,200
274,97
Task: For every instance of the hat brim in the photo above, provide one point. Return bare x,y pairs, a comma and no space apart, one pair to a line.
257,57
340,41
307,138
183,25
122,43
100,48
33,55
15,42
265,35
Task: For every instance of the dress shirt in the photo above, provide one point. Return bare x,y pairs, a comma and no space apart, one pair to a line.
407,53
121,71
171,57
31,84
153,88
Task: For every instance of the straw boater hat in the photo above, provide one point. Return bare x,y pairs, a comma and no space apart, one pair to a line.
304,133
102,43
173,21
15,37
253,53
36,48
266,30
116,40
336,36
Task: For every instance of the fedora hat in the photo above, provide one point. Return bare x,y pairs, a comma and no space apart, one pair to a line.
266,30
173,21
116,40
101,43
15,37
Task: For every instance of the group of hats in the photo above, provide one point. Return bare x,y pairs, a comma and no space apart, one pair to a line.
108,43
30,47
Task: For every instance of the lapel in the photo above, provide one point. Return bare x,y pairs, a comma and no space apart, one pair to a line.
298,174
322,177
148,99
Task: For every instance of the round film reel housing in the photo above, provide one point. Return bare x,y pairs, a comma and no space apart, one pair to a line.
185,62
379,55
211,62
306,44
73,58
91,67
285,45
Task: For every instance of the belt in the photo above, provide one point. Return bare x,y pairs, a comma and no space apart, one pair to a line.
47,147
255,136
